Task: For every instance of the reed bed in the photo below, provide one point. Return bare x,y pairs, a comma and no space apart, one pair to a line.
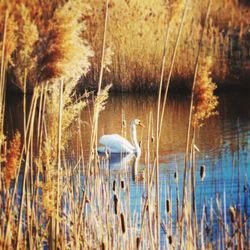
50,201
135,41
137,31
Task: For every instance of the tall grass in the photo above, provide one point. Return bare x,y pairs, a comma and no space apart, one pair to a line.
136,31
52,202
134,38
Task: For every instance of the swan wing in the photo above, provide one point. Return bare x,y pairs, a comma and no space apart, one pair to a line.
116,143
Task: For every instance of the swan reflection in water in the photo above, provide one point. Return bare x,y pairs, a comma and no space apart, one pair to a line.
121,163
116,162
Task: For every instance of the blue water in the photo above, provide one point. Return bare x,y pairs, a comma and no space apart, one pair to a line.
224,143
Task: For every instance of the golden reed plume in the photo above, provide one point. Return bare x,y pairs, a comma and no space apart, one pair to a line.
205,102
12,160
64,54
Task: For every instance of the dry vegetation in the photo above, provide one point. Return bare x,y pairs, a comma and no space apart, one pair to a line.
135,40
48,201
137,31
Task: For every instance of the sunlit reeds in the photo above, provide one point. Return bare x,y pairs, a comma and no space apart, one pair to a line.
12,159
136,34
205,101
63,53
60,203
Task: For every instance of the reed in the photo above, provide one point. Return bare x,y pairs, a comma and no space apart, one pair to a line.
58,203
190,121
136,54
12,159
135,36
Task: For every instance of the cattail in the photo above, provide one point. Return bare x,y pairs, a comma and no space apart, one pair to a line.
152,139
138,241
115,204
168,206
12,160
122,184
176,176
114,185
170,239
232,213
124,124
103,246
123,223
202,172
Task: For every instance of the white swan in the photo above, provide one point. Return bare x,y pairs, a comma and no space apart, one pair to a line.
115,143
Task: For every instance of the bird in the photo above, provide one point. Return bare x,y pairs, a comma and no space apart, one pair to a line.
115,143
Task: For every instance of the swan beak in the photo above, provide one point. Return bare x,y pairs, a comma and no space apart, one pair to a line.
141,125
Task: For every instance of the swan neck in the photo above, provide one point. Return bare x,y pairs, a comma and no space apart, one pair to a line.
134,138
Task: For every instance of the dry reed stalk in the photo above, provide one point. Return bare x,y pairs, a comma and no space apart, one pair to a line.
171,68
31,131
42,131
24,108
3,69
146,208
225,219
190,118
40,117
81,143
99,105
11,202
103,46
160,118
193,186
96,111
59,163
29,223
177,192
203,222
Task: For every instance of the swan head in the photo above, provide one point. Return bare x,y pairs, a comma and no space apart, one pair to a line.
137,122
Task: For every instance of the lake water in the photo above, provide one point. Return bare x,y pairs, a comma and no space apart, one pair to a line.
224,144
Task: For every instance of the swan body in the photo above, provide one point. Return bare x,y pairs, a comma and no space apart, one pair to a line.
115,143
